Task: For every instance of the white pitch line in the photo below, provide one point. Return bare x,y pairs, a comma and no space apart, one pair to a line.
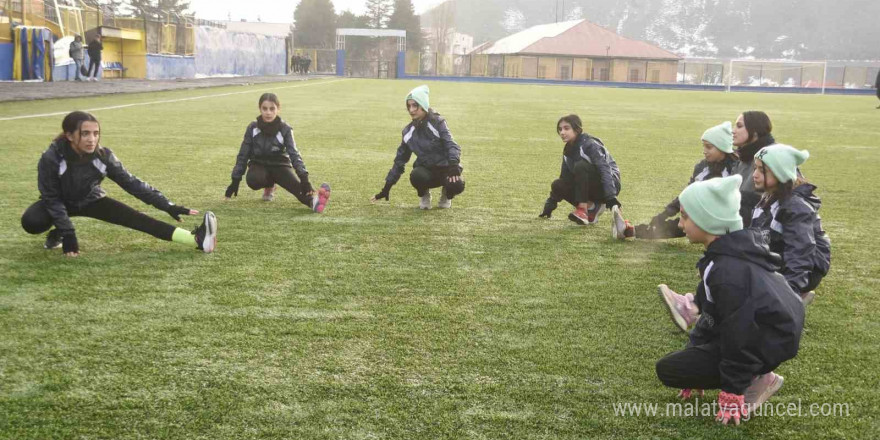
166,101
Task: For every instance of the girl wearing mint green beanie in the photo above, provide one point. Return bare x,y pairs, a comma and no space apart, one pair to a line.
719,161
438,156
788,215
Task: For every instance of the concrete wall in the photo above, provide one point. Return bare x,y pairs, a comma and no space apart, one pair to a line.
170,66
221,52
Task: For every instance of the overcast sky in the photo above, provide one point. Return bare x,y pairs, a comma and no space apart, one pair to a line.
273,11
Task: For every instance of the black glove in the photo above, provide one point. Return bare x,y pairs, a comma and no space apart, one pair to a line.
549,206
175,211
612,202
69,243
233,187
305,185
384,193
453,170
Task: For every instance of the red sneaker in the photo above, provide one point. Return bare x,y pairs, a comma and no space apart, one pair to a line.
580,217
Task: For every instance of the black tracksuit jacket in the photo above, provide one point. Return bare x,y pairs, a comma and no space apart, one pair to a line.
432,144
592,150
747,307
703,171
278,150
793,229
69,181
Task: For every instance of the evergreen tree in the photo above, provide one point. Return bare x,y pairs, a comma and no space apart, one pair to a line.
404,17
314,24
378,12
158,8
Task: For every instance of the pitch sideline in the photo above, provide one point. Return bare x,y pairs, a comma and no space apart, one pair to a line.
166,101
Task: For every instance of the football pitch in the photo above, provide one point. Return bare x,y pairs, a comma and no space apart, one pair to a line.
384,321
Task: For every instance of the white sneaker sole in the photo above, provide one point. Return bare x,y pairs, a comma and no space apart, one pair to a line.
210,241
618,224
666,296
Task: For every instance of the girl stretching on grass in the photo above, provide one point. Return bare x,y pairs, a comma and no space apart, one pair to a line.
751,320
438,157
589,179
719,161
788,214
69,178
269,152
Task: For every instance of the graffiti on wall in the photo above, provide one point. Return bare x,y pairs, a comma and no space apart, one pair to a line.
220,52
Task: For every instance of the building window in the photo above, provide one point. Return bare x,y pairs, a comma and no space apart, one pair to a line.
634,75
603,74
565,72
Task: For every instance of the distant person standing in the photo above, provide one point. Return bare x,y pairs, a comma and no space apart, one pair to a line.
307,61
76,54
294,63
95,48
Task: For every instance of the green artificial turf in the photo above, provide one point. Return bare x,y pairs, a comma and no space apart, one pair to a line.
384,321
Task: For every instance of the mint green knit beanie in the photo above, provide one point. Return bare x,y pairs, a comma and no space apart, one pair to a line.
714,204
721,136
420,96
783,160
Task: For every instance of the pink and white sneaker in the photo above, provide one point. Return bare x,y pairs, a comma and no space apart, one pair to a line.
321,199
762,388
682,309
269,194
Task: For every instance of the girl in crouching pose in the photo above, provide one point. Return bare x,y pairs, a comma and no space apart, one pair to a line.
269,152
589,179
70,173
438,156
750,322
718,161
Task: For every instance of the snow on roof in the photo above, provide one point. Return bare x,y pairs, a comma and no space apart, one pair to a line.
577,38
521,40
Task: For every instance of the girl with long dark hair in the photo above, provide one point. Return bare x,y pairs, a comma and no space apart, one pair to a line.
589,179
70,173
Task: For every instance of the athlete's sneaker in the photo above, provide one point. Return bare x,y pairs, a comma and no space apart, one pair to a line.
445,202
762,388
594,213
269,194
53,240
206,233
620,228
321,199
681,308
425,201
806,297
579,216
